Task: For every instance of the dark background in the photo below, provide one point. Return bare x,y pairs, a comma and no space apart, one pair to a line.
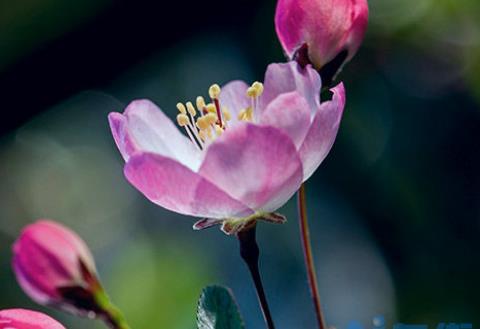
395,208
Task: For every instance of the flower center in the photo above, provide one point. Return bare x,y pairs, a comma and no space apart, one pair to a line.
213,118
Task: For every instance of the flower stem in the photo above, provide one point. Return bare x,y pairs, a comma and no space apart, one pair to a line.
109,313
115,319
307,252
250,253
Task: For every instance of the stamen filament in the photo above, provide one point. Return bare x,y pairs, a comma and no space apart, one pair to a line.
184,121
187,129
192,112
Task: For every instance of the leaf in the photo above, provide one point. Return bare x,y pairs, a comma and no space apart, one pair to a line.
217,309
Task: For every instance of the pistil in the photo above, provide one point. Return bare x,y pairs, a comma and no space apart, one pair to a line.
214,92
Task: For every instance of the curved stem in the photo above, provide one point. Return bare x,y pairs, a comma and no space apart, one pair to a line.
307,252
250,254
115,319
108,312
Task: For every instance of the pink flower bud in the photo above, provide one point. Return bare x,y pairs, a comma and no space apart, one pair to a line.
55,267
25,319
326,31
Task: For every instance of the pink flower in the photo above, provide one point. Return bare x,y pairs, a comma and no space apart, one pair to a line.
55,267
25,319
324,29
248,151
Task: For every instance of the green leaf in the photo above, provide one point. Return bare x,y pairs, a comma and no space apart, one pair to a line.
217,309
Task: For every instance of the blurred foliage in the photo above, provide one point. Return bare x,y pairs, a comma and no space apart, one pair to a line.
166,278
28,24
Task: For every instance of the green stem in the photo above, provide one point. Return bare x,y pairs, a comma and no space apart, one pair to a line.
307,252
109,313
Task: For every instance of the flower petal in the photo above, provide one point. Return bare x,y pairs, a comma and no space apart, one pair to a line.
257,165
175,187
26,319
323,132
327,27
288,77
124,141
291,114
144,127
234,97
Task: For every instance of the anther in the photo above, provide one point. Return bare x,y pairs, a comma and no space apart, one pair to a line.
211,108
211,118
191,109
182,120
200,103
214,91
258,86
218,130
181,108
202,123
251,92
226,114
242,115
203,135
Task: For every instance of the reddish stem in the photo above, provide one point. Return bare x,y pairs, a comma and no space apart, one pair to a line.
307,252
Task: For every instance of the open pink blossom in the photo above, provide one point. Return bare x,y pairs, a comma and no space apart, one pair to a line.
26,319
54,266
247,153
327,30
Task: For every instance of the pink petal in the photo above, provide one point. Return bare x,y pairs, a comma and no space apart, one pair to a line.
355,35
146,128
291,114
123,139
26,319
323,131
234,97
47,256
288,77
327,27
173,186
258,165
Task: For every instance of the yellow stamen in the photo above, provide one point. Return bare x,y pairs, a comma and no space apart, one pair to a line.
191,109
200,103
246,114
211,108
251,92
218,130
211,118
182,120
202,123
241,115
258,86
214,91
226,114
255,90
181,108
249,114
202,134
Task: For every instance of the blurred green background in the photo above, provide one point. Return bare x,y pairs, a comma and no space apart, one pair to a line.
394,209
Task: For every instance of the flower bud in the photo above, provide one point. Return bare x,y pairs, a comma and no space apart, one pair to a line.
25,319
54,266
321,32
